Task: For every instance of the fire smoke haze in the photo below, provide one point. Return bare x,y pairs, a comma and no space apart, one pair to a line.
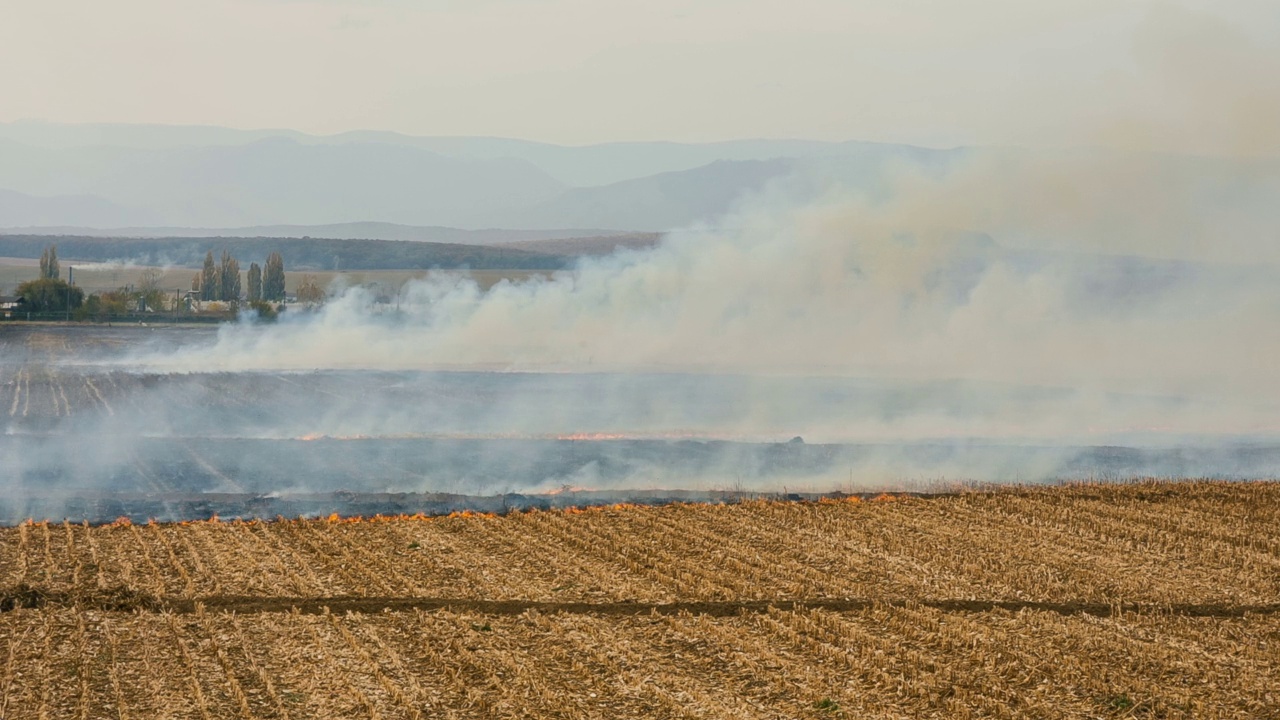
1100,270
1102,273
1138,285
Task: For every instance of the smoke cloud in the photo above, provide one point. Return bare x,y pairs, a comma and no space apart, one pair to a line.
1099,273
1000,315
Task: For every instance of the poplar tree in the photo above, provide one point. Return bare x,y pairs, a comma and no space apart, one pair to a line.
229,277
255,282
210,285
49,263
273,278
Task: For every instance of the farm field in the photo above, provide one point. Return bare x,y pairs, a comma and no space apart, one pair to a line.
102,277
1135,600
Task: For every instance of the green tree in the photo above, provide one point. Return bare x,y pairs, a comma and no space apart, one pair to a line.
49,264
265,310
210,284
229,278
273,278
255,282
50,295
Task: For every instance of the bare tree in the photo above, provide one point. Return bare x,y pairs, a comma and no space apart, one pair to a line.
149,289
150,279
309,290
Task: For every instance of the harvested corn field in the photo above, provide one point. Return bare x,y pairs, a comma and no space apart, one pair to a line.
1136,600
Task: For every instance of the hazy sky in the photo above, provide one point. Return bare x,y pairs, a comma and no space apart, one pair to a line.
1180,75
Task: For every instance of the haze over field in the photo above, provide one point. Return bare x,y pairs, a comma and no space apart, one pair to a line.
1092,262
1062,274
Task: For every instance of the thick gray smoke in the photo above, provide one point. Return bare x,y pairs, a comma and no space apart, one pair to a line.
1136,282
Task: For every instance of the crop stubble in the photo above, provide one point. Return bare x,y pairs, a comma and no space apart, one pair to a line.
1142,600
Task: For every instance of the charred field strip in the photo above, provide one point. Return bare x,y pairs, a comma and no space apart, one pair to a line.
89,436
1155,599
171,479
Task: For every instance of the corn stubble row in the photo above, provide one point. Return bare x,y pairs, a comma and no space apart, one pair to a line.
1166,547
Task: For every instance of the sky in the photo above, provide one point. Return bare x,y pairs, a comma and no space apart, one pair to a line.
1048,73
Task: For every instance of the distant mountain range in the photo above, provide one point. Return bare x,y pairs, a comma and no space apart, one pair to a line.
574,166
300,254
145,180
171,181
333,231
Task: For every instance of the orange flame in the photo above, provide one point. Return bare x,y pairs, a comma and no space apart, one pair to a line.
852,499
470,514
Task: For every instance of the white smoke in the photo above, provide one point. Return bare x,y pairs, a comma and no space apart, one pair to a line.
1099,273
1138,286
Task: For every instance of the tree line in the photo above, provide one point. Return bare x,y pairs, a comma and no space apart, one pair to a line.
49,292
220,281
215,281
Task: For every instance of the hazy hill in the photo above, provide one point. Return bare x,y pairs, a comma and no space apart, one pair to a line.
149,180
655,203
278,180
598,245
577,166
299,254
333,231
196,181
20,209
608,163
678,199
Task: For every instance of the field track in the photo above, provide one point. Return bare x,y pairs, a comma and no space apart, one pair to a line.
1135,600
29,598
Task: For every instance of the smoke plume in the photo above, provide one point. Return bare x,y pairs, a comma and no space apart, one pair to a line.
1101,273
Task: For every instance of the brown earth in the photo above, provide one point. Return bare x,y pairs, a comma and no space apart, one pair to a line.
1134,600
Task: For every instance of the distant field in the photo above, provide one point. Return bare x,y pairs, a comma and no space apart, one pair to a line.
1095,601
97,278
597,245
299,253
